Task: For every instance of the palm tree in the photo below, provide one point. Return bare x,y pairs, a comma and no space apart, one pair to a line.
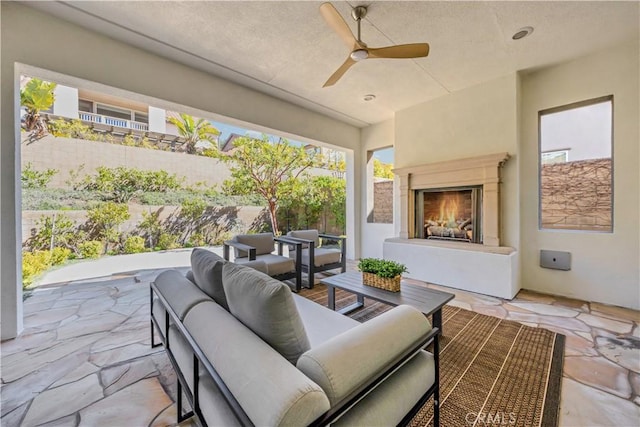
36,96
194,130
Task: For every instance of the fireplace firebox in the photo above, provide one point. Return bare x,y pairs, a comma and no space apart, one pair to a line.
449,214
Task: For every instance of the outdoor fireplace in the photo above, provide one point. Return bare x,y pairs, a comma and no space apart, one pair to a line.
449,214
473,183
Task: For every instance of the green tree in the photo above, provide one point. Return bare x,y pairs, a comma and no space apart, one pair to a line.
194,131
382,170
106,220
36,96
270,169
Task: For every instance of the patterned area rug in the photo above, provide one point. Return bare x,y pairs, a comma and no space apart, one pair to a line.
492,371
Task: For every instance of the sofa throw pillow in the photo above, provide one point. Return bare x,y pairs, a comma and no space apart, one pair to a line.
207,273
265,306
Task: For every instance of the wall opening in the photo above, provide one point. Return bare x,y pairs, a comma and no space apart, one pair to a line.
576,166
380,186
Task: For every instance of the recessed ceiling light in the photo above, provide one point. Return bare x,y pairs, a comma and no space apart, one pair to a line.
522,33
369,97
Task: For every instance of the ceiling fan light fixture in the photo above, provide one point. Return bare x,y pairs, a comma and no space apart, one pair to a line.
359,54
522,33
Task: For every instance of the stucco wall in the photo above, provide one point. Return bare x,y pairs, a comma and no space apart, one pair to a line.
374,137
472,122
41,42
605,266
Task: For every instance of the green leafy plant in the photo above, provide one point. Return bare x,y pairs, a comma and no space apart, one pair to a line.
32,178
381,267
60,255
36,96
270,169
194,130
33,264
90,249
167,241
134,245
122,184
51,232
106,219
63,128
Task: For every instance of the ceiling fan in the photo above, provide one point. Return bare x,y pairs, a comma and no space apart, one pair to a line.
359,49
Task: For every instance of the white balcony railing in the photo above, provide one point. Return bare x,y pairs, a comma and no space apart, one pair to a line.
112,121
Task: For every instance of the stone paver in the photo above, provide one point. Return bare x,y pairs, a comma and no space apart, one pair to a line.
85,357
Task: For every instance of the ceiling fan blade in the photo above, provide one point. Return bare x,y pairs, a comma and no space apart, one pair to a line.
337,23
339,72
414,50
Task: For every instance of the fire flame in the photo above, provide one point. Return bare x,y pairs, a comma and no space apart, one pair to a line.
449,210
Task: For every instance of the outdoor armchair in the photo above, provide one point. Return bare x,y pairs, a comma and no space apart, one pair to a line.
250,248
324,257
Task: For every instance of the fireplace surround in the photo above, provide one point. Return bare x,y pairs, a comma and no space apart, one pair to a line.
476,172
463,207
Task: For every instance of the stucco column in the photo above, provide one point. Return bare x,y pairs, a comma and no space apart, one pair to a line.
404,206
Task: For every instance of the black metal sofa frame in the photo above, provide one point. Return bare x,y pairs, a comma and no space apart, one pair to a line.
200,360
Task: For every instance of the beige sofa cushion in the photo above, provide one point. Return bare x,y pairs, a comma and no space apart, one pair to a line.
393,399
207,273
265,306
263,242
179,291
271,391
345,362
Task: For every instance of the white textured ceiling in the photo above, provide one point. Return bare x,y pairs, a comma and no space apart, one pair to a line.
286,49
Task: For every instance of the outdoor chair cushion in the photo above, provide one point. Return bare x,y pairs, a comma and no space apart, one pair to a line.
207,272
322,256
265,306
263,242
274,264
307,235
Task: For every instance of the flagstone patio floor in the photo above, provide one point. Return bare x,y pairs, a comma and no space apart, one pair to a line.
84,357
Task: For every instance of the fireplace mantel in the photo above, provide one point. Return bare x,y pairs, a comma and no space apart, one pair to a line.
481,170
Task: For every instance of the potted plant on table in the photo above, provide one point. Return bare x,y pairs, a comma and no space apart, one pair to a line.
382,273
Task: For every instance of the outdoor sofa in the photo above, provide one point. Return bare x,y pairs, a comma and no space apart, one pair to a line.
248,351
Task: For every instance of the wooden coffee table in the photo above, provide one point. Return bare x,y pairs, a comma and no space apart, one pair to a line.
428,301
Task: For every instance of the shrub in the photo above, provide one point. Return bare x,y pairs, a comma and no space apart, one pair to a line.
33,264
56,230
106,218
90,249
122,184
134,245
34,199
32,178
381,267
60,255
167,241
76,129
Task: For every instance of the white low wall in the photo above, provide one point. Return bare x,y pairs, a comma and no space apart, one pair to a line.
470,267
